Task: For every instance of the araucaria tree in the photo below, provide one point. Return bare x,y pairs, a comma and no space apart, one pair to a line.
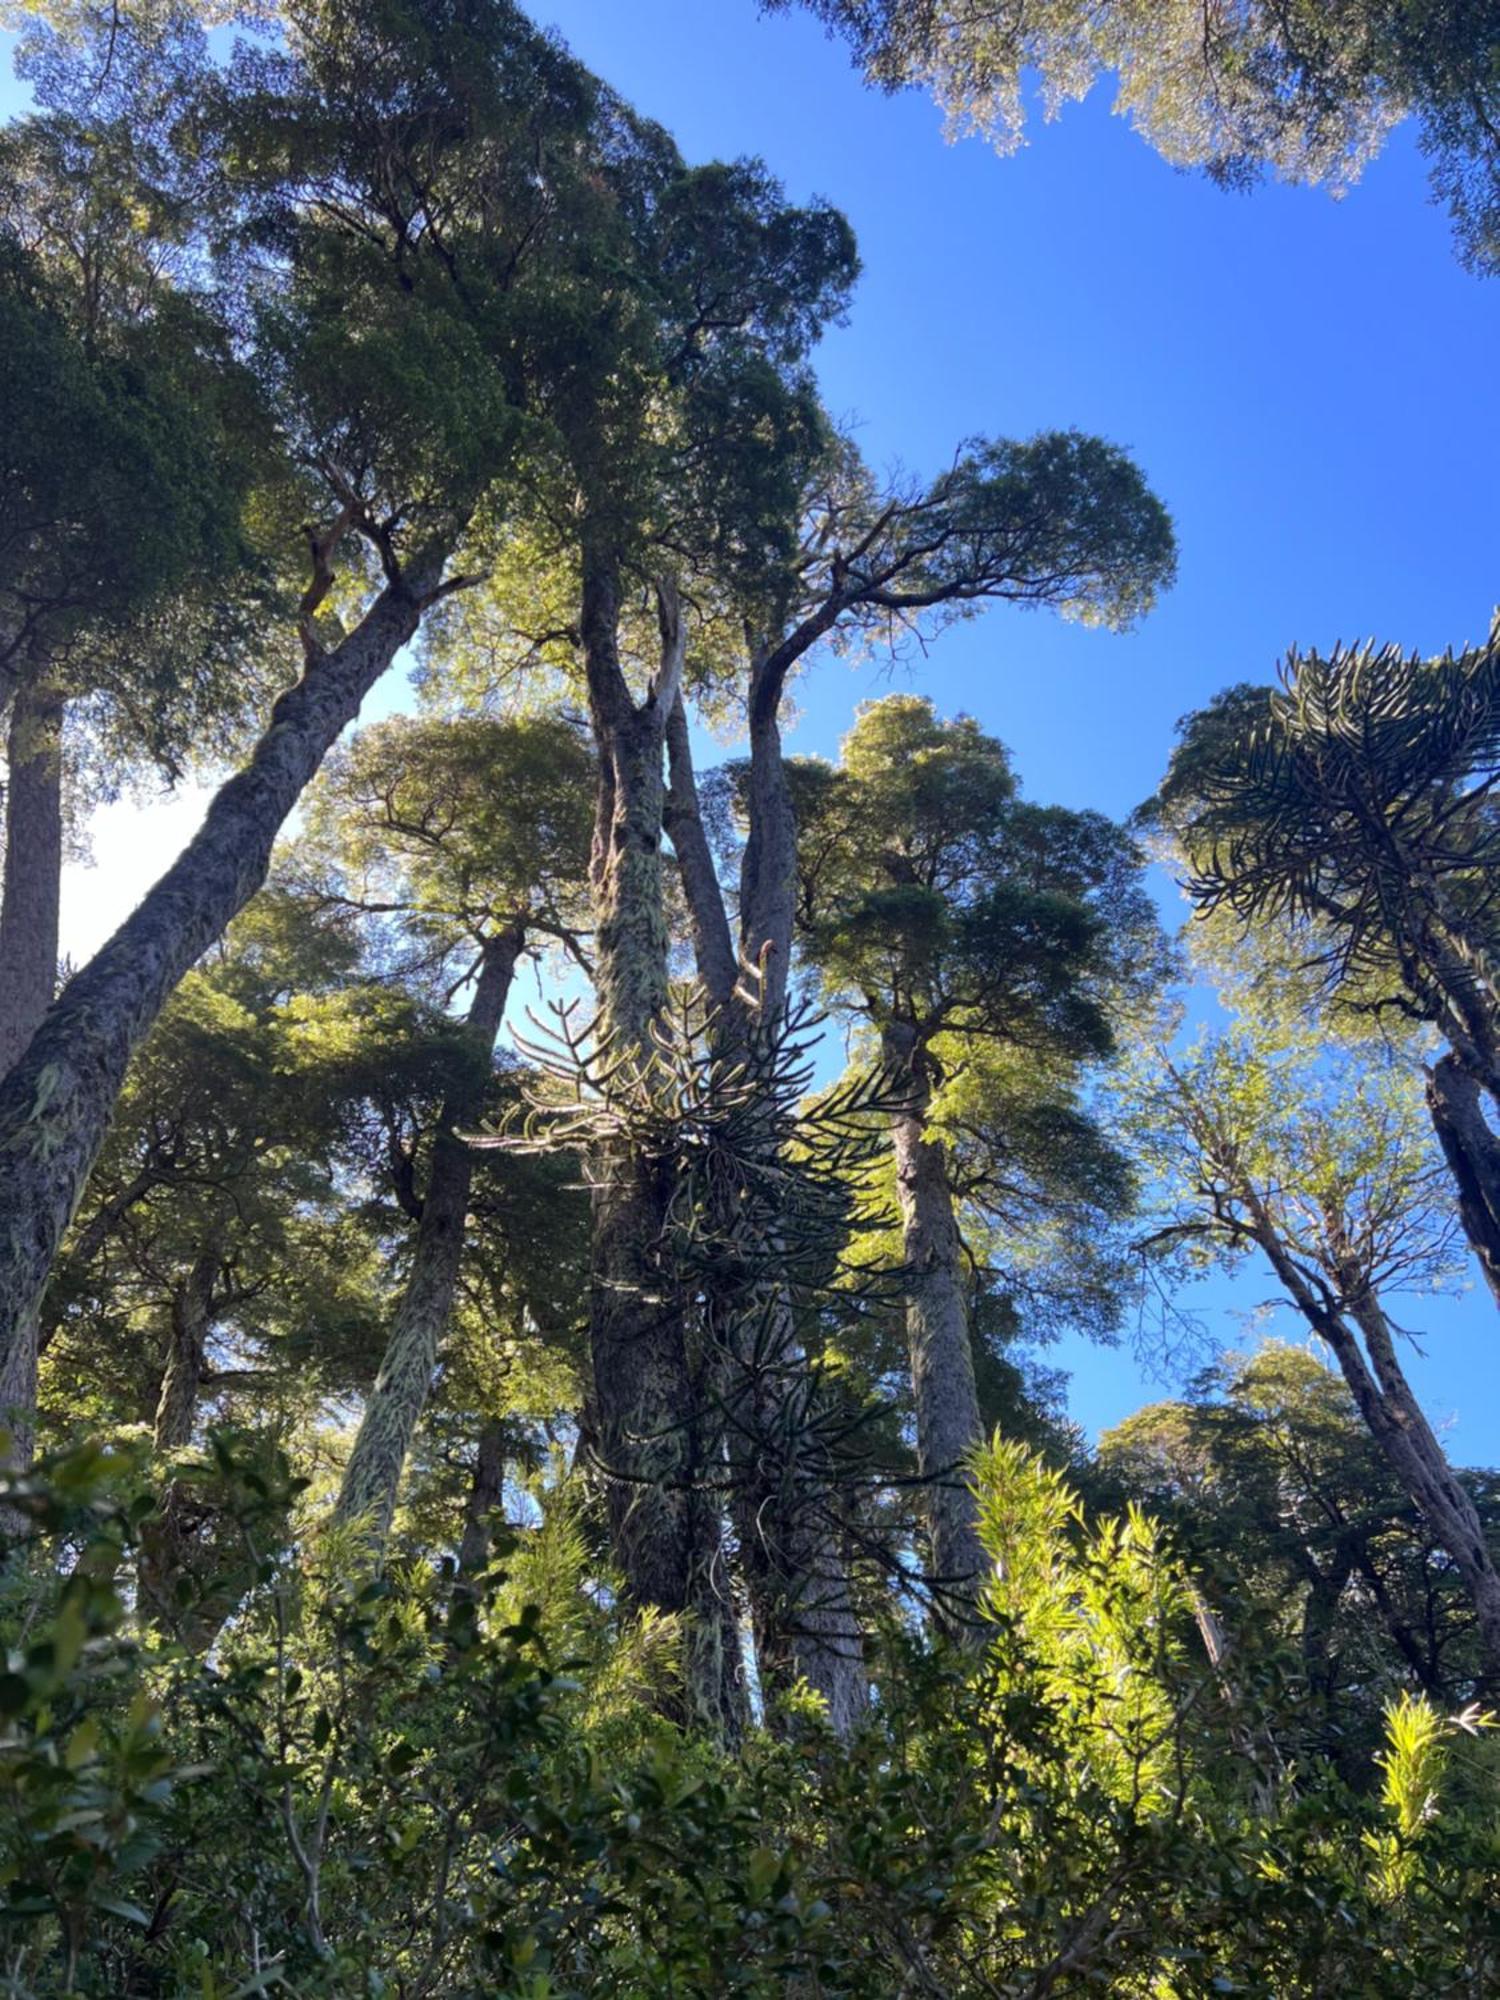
1350,815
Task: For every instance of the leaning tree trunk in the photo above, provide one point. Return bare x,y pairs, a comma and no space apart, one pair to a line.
1473,1155
57,1101
944,1396
1392,1415
1398,1424
33,868
658,1435
373,1474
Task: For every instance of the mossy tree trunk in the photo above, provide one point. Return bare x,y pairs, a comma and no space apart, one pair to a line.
30,904
372,1477
940,1345
57,1101
658,1433
485,1497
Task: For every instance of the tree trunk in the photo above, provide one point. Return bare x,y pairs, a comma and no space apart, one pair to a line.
372,1477
1473,1155
802,1613
942,1354
1392,1414
659,1438
33,868
485,1497
785,1517
191,1322
57,1101
789,1500
168,1537
1399,1426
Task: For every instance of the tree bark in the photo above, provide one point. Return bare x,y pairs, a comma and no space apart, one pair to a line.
713,944
485,1496
57,1101
29,907
1473,1155
1393,1416
659,1440
168,1537
1399,1425
191,1321
807,1627
372,1477
796,1581
944,1395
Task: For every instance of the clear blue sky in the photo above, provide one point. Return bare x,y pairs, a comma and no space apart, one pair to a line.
1309,385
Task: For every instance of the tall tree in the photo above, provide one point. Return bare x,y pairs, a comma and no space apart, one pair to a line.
472,835
394,294
1060,520
128,582
686,445
985,942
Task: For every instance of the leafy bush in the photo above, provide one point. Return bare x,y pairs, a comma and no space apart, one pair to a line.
409,1784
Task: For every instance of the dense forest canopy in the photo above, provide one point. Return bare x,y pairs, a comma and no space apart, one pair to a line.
527,1259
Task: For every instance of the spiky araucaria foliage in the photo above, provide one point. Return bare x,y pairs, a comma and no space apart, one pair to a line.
1356,801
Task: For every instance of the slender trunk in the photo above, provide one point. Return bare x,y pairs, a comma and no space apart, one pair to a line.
167,1548
1473,1155
33,868
713,944
944,1396
485,1496
190,1323
785,1513
1399,1424
57,1101
658,1433
768,874
1392,1415
372,1477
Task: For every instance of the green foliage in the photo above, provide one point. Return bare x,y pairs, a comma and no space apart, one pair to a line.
989,943
1348,807
1311,1555
1306,88
400,1786
399,280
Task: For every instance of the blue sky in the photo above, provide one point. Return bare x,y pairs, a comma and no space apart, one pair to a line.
1310,386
